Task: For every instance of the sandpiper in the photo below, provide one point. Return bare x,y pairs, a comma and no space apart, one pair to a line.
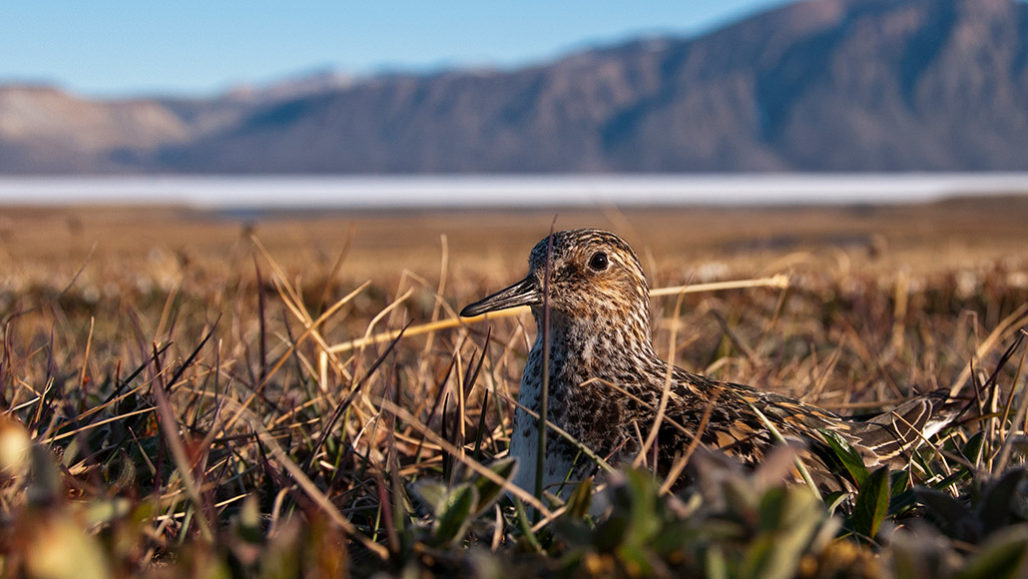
606,381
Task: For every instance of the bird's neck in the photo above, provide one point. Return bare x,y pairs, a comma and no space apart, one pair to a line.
597,346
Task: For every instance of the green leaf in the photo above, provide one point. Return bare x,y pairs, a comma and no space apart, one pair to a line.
902,503
453,515
580,499
872,503
958,476
789,518
762,560
741,497
636,560
248,523
972,451
488,490
431,493
103,511
912,555
1005,555
526,526
611,532
995,507
848,456
715,564
773,509
901,497
644,522
789,509
633,518
950,512
898,483
833,500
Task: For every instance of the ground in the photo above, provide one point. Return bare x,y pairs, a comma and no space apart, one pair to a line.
141,343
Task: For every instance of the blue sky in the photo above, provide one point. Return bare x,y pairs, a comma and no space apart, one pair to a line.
117,48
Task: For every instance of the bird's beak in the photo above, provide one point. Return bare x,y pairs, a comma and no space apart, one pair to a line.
523,293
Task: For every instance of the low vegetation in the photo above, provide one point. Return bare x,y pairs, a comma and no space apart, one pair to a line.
222,403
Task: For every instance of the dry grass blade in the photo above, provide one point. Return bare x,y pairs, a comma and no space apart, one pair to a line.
1006,328
666,391
286,356
344,404
419,330
544,394
97,424
680,463
85,363
169,424
776,281
292,297
440,290
525,496
381,315
800,467
307,485
779,281
1003,458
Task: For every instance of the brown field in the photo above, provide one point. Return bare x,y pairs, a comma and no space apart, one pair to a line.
47,247
883,302
965,231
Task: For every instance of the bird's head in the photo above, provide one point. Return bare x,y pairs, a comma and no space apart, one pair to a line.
593,275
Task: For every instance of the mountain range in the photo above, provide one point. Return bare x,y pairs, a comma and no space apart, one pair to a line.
821,85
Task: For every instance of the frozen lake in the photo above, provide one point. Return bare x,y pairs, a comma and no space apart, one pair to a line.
370,192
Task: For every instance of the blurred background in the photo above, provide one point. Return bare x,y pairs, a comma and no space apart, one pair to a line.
528,104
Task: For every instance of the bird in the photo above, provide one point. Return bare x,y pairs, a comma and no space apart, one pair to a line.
589,296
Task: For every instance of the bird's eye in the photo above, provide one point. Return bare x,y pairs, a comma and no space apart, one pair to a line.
598,261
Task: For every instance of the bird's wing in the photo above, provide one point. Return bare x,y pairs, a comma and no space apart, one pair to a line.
896,432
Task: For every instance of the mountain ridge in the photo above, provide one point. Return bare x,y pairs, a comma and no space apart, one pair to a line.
822,85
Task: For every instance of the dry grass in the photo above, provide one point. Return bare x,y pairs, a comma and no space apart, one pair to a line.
192,407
